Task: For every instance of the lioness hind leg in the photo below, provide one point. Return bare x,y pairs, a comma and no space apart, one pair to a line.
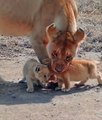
30,87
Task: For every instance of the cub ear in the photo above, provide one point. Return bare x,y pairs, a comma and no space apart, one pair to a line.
79,36
46,61
51,31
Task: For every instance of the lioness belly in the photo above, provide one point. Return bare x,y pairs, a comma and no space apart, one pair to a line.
14,28
17,16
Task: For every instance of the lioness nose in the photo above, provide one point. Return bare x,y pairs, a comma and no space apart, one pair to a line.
59,67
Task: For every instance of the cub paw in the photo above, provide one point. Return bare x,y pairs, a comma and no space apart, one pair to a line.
65,90
30,90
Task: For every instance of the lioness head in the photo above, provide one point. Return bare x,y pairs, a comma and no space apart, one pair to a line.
42,73
62,47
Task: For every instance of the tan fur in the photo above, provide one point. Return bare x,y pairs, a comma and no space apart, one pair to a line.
24,17
80,71
62,47
35,72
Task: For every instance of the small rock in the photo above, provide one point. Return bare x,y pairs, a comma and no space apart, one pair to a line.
13,96
90,34
54,104
97,89
78,103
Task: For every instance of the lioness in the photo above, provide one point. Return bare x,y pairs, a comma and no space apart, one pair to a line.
79,70
24,17
36,73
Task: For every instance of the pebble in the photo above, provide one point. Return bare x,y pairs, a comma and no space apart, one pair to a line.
13,96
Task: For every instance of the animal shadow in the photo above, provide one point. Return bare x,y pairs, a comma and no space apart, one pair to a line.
15,93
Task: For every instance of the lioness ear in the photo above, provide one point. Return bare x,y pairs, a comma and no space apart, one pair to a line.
51,31
79,36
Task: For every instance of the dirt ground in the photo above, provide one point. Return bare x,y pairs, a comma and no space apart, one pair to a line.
78,104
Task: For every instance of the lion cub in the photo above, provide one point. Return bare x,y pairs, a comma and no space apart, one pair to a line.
79,70
36,73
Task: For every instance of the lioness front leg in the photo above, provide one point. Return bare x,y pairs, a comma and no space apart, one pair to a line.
39,48
38,34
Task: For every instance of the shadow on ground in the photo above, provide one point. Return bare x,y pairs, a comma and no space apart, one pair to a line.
15,93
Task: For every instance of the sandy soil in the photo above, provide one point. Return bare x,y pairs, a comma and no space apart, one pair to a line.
78,104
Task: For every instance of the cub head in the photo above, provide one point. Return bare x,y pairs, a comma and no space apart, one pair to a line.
62,47
42,73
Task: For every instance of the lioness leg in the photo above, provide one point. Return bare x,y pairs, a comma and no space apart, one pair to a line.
38,35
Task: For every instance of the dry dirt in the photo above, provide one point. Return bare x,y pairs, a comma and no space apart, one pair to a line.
78,104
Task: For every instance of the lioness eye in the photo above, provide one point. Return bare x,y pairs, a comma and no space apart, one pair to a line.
69,58
54,54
